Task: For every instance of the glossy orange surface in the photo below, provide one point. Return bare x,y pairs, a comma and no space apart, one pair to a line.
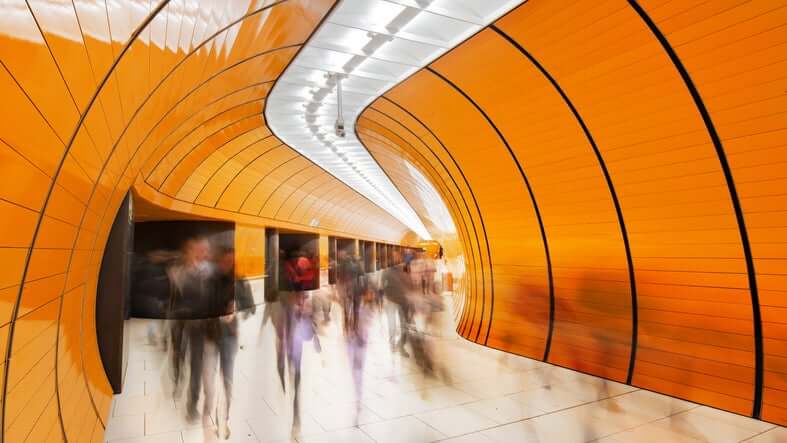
102,98
164,95
536,133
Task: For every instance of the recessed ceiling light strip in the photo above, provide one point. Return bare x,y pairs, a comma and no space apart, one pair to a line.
363,49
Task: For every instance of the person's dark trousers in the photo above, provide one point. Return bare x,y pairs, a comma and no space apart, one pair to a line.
404,322
357,294
228,349
196,338
178,352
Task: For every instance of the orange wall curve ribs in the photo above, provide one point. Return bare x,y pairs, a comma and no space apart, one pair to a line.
613,173
644,246
164,97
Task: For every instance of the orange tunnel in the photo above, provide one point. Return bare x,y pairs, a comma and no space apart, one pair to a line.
613,172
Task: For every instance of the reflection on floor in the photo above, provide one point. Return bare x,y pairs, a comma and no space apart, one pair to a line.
491,397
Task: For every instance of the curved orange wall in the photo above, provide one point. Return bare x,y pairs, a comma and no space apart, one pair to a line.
613,171
616,170
157,95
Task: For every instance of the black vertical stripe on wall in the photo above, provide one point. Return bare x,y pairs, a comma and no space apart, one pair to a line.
326,179
472,195
529,190
466,239
199,144
282,183
227,160
447,188
752,276
240,171
613,194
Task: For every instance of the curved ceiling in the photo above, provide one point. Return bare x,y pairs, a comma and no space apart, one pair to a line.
362,49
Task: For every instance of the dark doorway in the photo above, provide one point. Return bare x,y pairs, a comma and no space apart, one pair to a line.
332,260
347,245
157,245
112,296
293,247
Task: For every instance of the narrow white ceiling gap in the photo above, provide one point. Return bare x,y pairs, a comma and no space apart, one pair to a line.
369,46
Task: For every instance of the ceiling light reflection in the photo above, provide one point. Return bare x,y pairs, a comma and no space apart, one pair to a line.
369,46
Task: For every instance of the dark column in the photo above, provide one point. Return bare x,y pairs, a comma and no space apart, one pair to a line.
332,257
112,296
271,265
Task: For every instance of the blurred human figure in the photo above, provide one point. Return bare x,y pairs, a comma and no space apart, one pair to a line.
422,270
356,347
425,318
300,272
151,289
275,313
395,286
343,281
190,301
424,308
300,328
408,258
230,300
440,267
350,284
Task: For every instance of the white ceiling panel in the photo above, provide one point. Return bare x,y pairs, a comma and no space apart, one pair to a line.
364,48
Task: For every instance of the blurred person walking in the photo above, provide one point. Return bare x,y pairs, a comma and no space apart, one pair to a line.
275,314
191,290
350,284
356,347
422,270
300,328
395,287
231,299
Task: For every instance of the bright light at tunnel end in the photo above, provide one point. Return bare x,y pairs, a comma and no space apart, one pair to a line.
364,48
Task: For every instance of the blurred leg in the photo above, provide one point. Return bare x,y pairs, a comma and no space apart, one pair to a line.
210,363
227,352
391,311
177,354
197,352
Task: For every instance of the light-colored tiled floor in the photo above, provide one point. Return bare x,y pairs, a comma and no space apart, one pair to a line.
489,397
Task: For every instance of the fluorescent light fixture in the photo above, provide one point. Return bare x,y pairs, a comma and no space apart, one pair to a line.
372,45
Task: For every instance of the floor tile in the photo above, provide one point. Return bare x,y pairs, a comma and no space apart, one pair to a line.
170,420
140,404
407,429
456,421
504,409
126,426
548,399
650,433
706,428
475,437
274,428
168,437
775,435
240,432
352,435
